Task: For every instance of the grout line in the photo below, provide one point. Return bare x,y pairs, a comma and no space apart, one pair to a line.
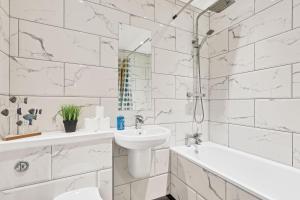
257,127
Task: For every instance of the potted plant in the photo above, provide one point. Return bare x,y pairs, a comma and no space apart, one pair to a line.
70,115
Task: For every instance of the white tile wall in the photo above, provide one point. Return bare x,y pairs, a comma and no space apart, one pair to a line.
57,44
278,50
80,158
92,18
262,25
42,11
39,170
202,181
257,110
296,19
237,61
81,80
4,75
269,114
27,72
270,144
50,189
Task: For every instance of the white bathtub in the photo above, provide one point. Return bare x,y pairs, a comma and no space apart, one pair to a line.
263,178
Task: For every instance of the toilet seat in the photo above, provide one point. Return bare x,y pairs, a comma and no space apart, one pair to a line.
90,193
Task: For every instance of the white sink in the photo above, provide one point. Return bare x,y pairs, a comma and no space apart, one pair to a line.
139,143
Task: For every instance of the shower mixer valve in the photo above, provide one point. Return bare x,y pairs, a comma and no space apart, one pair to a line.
197,95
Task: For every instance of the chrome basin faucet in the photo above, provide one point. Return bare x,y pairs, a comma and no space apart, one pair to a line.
139,121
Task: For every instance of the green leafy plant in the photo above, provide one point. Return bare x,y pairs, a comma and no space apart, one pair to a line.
70,112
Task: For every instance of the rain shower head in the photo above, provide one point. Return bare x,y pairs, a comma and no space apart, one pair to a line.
221,5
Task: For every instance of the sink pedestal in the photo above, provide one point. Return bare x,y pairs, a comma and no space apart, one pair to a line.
139,162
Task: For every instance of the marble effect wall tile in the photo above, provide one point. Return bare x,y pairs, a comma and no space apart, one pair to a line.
4,121
168,111
49,190
219,133
269,114
4,75
92,18
142,8
218,43
296,80
262,25
56,44
170,62
238,61
163,86
162,36
81,80
36,157
42,11
4,31
296,13
4,5
151,188
184,41
14,37
65,160
269,144
183,129
237,12
202,181
179,190
232,111
109,52
269,83
218,88
263,4
31,77
279,50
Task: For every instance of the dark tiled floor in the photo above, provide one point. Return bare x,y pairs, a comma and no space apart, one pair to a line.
165,198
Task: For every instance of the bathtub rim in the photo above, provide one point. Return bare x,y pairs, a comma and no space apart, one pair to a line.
258,194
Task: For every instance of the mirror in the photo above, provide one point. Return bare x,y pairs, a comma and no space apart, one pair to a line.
134,68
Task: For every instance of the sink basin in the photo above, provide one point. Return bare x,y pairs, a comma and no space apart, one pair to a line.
139,143
147,137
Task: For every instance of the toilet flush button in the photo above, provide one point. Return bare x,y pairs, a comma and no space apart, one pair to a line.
22,166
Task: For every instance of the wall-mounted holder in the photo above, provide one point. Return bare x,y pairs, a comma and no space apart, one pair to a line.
22,118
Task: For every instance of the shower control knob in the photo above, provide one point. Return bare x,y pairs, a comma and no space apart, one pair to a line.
22,166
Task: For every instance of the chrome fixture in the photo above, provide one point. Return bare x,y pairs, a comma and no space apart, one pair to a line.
217,7
139,121
22,166
196,137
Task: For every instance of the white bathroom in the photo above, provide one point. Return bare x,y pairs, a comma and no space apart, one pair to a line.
149,99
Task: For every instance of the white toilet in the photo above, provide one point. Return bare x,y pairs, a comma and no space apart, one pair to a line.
90,193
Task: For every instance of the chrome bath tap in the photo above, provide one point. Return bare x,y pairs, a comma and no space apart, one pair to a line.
196,137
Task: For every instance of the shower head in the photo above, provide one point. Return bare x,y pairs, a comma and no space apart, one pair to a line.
210,32
221,5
